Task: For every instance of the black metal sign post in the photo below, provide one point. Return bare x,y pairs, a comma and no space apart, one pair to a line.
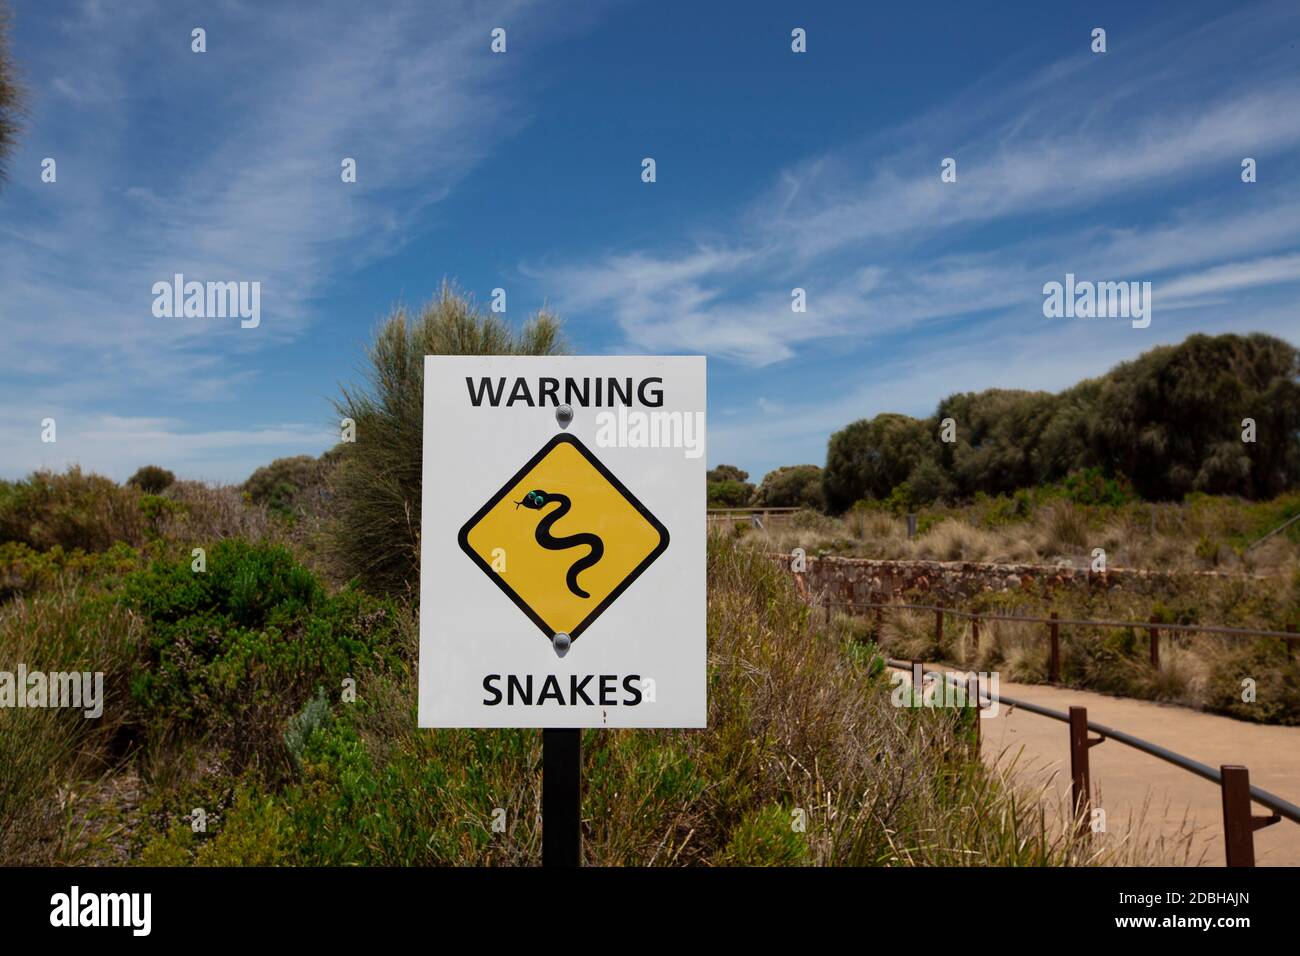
562,766
561,796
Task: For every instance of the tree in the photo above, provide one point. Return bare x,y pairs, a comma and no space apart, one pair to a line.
998,439
726,473
376,533
792,486
152,479
1172,421
729,494
869,458
929,482
11,95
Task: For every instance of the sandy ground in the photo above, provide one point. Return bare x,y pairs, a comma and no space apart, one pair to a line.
1130,784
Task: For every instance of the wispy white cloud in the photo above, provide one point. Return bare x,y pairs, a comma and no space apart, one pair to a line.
869,229
243,179
225,165
1265,271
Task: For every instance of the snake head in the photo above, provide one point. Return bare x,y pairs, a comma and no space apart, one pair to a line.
534,500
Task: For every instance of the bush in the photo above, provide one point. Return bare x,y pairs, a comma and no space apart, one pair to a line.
70,510
200,513
236,649
766,837
793,486
283,485
729,494
151,479
726,473
377,485
24,571
1090,486
1276,675
314,716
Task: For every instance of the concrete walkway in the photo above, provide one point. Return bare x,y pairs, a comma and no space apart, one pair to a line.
1129,784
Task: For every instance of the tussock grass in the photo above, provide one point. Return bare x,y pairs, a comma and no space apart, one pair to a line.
1202,533
49,756
377,484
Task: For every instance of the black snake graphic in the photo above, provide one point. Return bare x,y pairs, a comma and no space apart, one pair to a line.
537,500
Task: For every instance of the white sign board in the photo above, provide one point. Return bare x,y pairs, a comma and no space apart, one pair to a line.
562,568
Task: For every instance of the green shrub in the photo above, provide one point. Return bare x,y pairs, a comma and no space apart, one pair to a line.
26,571
238,648
901,499
377,484
766,837
152,479
729,494
794,486
314,715
1091,486
726,473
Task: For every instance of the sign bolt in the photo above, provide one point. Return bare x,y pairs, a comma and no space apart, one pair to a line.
561,642
564,415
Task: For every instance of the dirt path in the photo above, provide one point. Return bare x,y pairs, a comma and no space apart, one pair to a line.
1127,779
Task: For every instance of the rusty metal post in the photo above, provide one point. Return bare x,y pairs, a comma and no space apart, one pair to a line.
1291,641
1054,657
828,612
973,694
880,615
1081,784
1155,642
938,627
975,638
1239,823
1238,829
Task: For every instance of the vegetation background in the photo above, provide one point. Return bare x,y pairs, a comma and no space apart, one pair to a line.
227,688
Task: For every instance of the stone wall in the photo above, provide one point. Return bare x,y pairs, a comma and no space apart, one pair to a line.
861,580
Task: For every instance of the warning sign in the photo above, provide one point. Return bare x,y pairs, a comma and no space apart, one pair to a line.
563,538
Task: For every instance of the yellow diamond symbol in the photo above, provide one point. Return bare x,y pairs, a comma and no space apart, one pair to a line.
563,538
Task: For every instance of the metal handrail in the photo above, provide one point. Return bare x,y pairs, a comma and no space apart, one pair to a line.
1283,808
1016,618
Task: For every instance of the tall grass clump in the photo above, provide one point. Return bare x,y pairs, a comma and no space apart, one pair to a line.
377,485
49,756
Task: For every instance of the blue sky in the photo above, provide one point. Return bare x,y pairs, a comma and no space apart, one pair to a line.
522,170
